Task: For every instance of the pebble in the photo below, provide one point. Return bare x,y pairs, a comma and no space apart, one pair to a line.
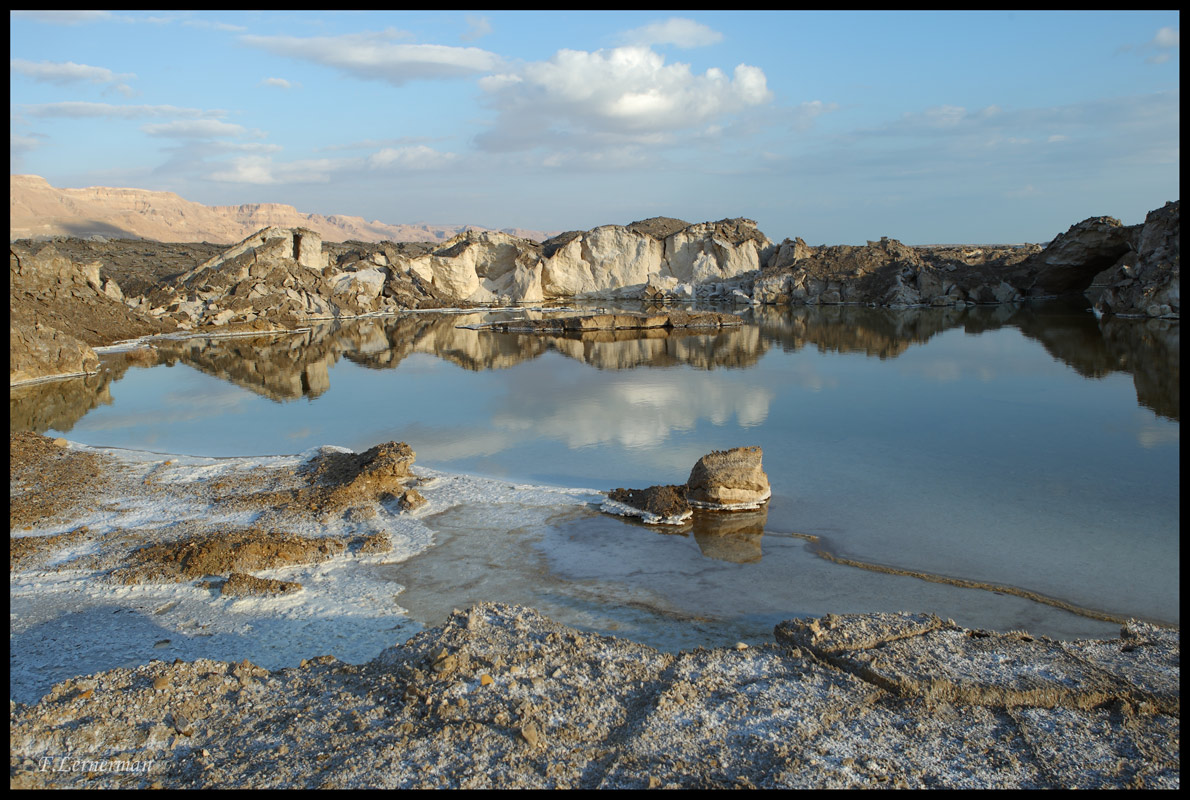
160,682
531,734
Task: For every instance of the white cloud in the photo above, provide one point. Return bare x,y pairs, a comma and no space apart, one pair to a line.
805,114
374,56
676,31
64,17
414,157
81,109
67,72
64,72
1167,42
626,94
1166,37
280,83
194,129
22,144
943,116
219,26
477,28
262,170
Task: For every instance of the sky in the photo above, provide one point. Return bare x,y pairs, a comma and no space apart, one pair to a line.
838,127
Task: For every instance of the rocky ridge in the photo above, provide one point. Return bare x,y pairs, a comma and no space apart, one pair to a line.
285,277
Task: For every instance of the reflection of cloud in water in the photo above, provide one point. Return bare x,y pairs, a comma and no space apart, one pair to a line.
455,443
941,371
637,414
179,407
1151,436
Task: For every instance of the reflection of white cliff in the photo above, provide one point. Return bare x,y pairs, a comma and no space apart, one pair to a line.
637,413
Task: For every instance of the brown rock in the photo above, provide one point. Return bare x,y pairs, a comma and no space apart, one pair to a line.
667,502
239,584
729,479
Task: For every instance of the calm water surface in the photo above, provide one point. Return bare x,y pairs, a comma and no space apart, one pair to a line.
1033,447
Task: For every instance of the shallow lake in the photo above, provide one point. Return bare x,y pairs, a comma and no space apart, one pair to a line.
1028,453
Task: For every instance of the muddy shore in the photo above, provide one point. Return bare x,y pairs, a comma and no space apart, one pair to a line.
500,696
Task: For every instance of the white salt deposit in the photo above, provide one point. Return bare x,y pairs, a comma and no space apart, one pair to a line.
74,622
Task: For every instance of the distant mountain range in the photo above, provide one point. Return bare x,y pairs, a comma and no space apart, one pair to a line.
39,211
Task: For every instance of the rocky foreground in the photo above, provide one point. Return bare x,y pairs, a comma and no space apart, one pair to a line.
501,697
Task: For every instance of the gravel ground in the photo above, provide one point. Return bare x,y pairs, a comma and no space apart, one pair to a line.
499,696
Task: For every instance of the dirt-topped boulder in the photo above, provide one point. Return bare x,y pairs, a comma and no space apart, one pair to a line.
664,505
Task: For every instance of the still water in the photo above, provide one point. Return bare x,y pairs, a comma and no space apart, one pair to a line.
1032,448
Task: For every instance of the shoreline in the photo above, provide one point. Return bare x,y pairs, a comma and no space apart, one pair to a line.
489,697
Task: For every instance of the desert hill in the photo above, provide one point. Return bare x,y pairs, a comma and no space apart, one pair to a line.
38,210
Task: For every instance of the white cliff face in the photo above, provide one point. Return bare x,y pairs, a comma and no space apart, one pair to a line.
613,258
697,255
601,260
481,267
488,266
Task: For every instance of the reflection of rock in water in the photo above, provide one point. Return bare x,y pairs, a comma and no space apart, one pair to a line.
730,536
1147,349
1151,350
293,365
740,346
56,405
280,367
59,404
884,333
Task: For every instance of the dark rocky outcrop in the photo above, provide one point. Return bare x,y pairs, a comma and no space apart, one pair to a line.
1069,263
1147,282
660,502
888,273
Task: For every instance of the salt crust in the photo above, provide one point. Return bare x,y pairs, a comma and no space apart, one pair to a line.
624,510
66,622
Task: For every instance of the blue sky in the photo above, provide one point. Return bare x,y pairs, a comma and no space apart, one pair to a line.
837,127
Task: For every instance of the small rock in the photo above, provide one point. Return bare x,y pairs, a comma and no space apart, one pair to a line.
531,734
486,680
411,500
160,682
